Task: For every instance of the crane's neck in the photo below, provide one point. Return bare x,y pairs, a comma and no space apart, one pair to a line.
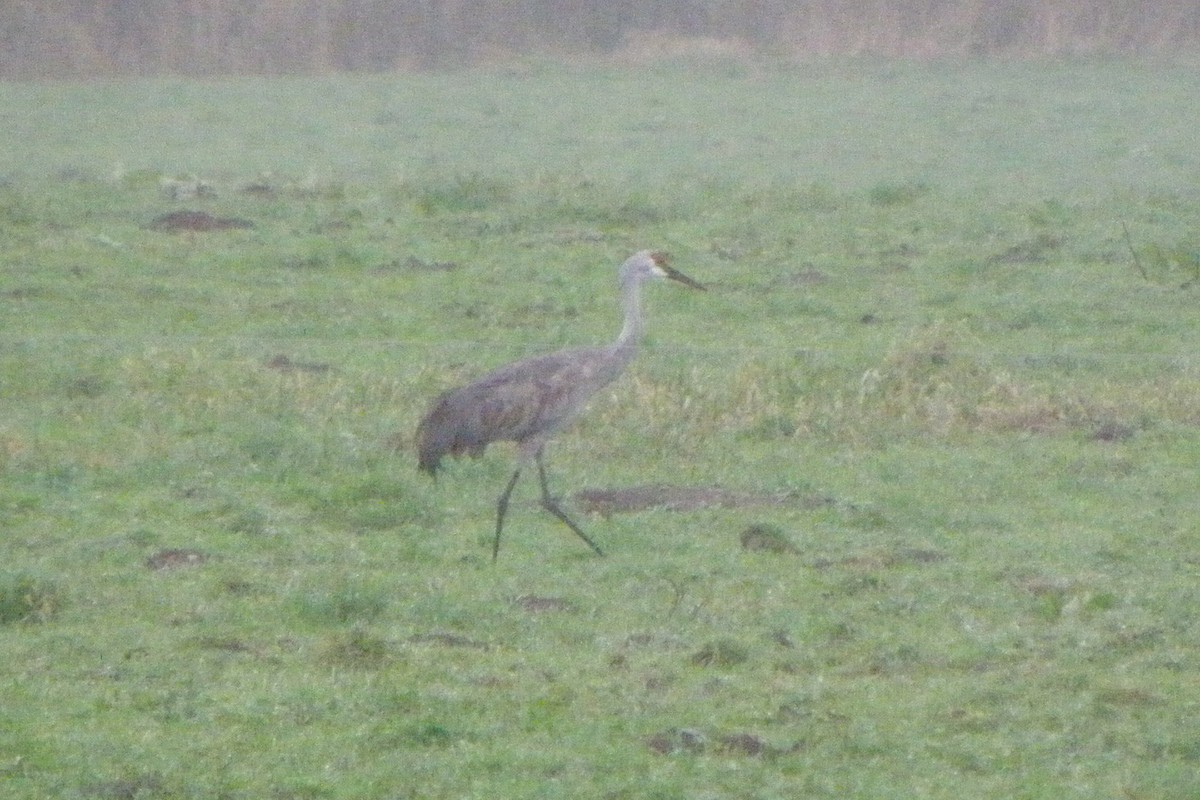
631,331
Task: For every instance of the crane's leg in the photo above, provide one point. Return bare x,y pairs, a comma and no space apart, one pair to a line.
551,505
502,509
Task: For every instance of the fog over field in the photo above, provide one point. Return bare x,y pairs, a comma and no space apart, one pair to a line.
903,506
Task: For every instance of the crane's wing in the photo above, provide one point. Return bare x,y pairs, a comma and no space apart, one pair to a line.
522,402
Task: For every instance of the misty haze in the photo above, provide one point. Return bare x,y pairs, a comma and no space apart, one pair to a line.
898,498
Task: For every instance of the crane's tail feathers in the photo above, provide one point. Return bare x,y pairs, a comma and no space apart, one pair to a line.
448,428
435,436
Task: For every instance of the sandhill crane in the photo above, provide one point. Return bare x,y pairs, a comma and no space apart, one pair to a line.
527,402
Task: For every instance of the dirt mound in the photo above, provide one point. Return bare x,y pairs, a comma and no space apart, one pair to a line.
688,498
176,558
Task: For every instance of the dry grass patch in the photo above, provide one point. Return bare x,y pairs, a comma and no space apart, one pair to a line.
929,381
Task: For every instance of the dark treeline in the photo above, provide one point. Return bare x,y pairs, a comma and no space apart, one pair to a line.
199,37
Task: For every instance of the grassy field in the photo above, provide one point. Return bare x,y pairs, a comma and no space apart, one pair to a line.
957,405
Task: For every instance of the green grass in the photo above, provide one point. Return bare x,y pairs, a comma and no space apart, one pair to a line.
221,575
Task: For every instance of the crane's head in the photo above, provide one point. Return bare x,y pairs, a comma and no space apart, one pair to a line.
646,264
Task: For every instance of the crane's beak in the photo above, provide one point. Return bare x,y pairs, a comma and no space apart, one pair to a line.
660,260
676,275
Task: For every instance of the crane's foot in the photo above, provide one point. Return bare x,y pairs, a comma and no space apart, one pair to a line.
551,505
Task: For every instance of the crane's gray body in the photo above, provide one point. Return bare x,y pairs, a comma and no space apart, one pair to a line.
527,402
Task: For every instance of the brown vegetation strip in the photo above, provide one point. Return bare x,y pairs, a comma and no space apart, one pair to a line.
448,640
871,560
197,221
284,363
689,740
344,35
536,605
